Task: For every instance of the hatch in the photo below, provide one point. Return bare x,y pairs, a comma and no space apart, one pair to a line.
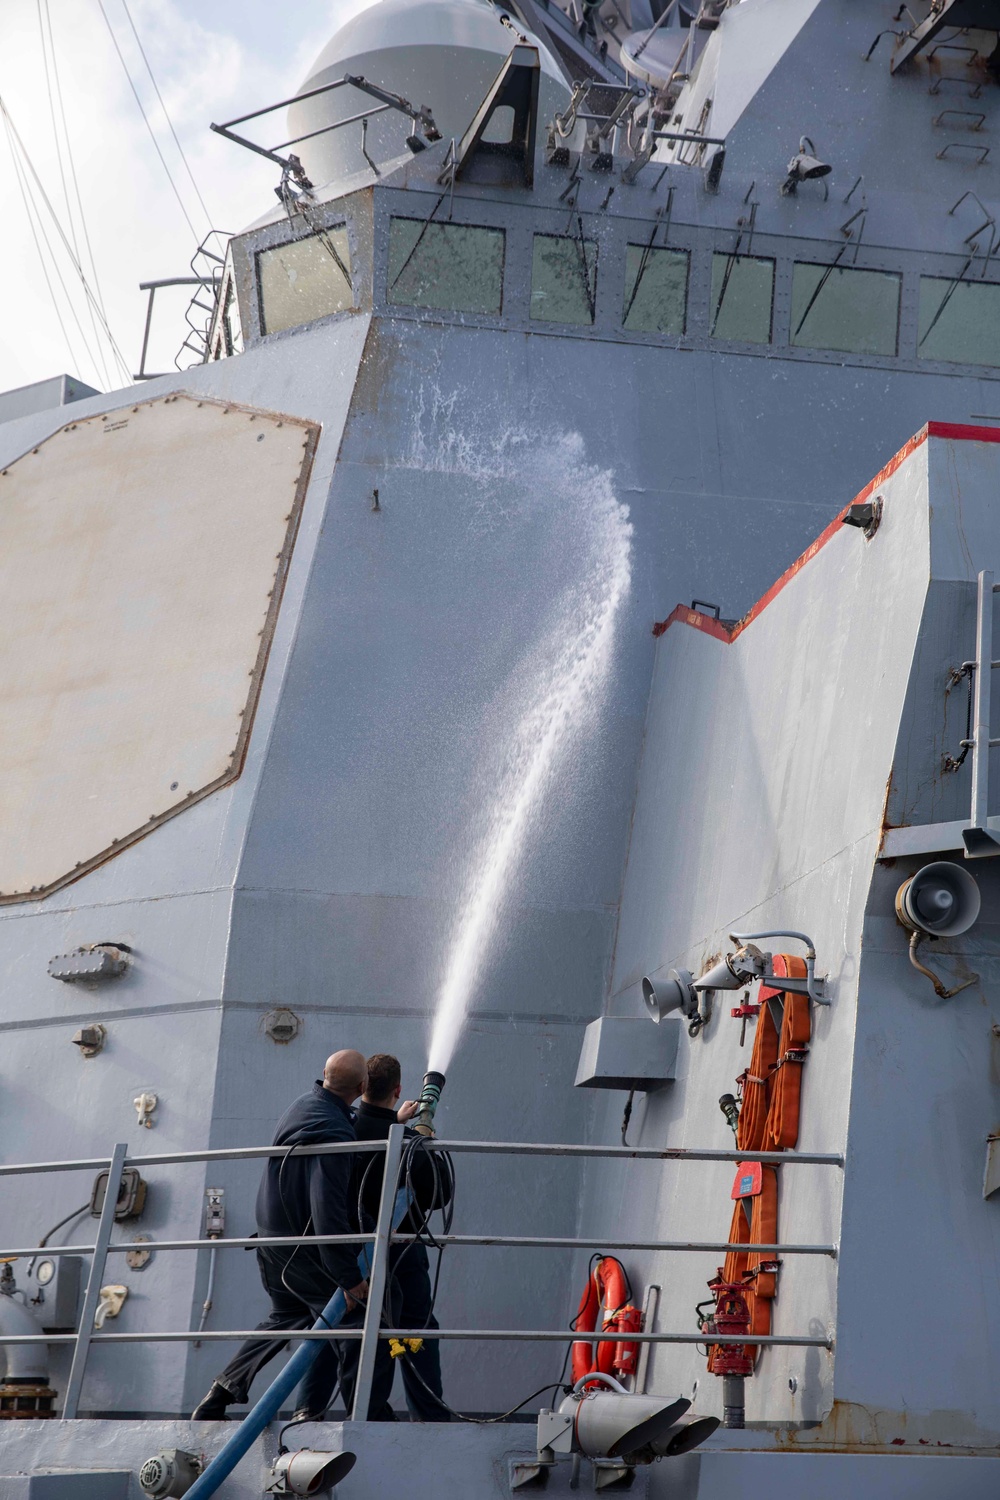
142,555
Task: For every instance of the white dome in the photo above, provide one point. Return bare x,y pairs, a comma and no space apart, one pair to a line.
442,54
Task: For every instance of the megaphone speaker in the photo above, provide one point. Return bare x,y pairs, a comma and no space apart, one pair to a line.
309,1472
688,1433
941,900
610,1424
661,996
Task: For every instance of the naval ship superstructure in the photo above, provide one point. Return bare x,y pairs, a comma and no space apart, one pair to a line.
671,366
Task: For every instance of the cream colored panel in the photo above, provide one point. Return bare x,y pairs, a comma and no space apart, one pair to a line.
142,555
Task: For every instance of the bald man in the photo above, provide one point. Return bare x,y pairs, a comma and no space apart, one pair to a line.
303,1196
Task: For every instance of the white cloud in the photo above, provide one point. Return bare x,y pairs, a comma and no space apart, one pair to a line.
207,69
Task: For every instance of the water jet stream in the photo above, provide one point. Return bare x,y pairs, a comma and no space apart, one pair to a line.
574,659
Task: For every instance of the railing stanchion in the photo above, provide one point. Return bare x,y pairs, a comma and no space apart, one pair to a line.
102,1239
379,1275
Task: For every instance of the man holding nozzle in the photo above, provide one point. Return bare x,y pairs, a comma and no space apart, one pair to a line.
411,1295
303,1196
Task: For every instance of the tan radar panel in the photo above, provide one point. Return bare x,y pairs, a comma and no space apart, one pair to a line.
142,558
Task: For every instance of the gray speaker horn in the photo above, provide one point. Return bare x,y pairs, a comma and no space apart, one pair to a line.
689,1432
309,1472
675,992
613,1425
941,900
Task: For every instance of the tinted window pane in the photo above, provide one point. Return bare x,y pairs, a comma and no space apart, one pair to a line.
655,289
451,266
959,320
742,290
840,307
563,279
305,280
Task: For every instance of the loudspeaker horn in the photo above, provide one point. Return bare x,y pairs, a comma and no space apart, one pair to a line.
309,1472
941,900
661,996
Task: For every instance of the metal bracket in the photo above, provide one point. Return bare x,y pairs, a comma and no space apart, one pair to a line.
609,1475
386,100
141,1256
812,986
555,1434
527,1475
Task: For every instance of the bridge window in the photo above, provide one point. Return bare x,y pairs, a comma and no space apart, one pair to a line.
563,279
305,280
959,321
655,290
841,307
742,294
454,267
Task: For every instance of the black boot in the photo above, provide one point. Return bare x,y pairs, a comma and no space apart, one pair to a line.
212,1408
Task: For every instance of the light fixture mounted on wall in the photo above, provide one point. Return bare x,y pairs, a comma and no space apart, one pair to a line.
805,166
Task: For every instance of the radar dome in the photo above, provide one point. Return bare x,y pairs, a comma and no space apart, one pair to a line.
441,54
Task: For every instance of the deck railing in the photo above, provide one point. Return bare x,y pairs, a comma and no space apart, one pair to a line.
382,1239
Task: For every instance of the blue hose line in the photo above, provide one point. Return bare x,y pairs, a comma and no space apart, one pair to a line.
267,1408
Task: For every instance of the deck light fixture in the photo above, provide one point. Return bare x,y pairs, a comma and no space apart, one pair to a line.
805,166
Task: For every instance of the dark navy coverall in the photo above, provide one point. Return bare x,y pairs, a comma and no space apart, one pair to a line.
408,1292
409,1268
306,1195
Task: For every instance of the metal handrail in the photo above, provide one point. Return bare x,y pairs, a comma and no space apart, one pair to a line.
644,1153
503,1148
511,1335
181,1158
510,1241
381,1240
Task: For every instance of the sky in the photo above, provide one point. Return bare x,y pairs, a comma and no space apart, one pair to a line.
58,63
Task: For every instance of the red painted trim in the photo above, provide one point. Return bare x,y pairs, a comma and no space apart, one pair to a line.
956,431
708,623
962,433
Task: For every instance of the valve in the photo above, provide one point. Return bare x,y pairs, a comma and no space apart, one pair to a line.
734,1362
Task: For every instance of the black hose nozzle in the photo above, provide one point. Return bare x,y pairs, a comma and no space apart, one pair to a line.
430,1093
731,1110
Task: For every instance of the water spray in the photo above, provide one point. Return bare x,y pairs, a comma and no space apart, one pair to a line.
552,696
430,1094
